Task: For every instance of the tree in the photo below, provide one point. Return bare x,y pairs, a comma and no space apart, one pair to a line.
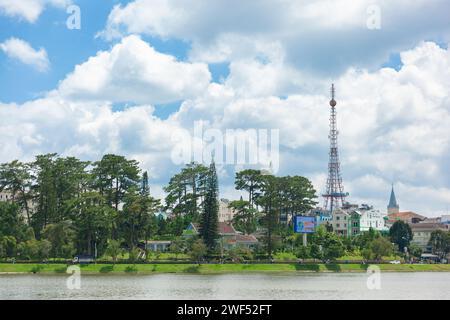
17,179
176,247
440,243
250,181
8,246
198,250
245,219
209,220
400,233
113,176
326,245
414,250
92,221
11,221
113,249
186,191
61,236
270,201
297,194
381,247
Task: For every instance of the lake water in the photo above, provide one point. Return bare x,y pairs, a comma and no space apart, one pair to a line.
229,287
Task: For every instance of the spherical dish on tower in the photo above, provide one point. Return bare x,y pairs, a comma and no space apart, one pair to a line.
333,103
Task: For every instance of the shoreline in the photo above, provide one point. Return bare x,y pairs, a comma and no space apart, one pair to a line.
143,269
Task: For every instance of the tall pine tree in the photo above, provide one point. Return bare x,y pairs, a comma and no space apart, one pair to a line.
210,217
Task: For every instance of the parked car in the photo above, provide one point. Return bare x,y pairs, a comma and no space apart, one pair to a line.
394,262
83,259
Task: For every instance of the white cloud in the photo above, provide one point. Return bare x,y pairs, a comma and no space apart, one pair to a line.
30,10
22,51
326,36
394,125
134,71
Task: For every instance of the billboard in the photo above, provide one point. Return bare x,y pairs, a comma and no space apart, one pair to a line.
304,224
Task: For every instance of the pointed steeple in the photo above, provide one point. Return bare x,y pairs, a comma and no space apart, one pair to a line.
393,206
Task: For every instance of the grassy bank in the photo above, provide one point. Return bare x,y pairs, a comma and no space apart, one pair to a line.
215,268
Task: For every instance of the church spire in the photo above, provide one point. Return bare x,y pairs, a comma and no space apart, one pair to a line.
393,206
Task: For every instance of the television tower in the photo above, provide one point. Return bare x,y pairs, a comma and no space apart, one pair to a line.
334,196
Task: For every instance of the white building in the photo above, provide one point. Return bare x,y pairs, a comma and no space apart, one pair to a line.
226,214
371,218
6,196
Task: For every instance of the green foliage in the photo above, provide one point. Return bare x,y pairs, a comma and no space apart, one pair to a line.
133,255
250,181
114,249
186,191
245,219
61,237
209,220
400,233
414,250
11,221
303,252
381,247
8,246
326,245
364,239
440,243
177,246
198,250
240,254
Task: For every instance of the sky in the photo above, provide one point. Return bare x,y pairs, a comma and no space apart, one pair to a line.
131,77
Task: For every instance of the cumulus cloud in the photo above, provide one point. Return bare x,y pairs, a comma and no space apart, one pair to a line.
135,71
394,125
319,36
30,10
24,52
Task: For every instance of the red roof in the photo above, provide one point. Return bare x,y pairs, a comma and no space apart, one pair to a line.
428,226
246,238
223,228
405,216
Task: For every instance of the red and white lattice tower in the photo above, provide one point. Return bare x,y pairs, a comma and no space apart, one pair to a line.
334,196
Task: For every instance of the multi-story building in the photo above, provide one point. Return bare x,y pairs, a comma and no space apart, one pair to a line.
371,218
8,196
422,233
5,196
226,214
340,220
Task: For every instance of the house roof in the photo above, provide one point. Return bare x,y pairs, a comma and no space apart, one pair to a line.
405,216
158,242
223,228
246,238
423,226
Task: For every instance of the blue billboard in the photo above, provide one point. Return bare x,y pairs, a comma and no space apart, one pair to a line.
304,224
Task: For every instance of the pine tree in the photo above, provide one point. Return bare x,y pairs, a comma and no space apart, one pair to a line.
210,216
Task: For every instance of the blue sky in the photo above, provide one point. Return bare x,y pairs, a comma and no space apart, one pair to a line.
138,71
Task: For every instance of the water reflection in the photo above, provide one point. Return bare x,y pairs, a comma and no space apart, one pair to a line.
228,287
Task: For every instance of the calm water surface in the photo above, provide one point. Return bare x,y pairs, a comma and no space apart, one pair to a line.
231,286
